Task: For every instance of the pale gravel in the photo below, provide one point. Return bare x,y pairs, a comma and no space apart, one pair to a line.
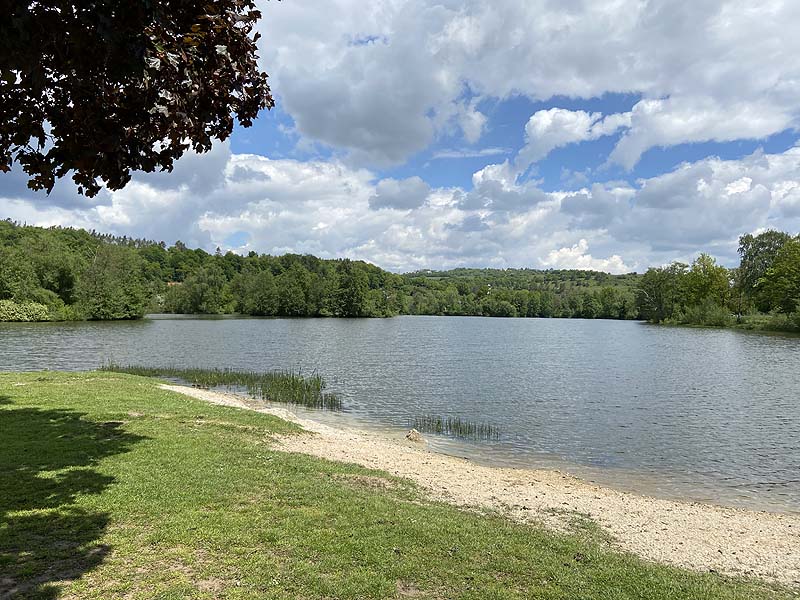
697,536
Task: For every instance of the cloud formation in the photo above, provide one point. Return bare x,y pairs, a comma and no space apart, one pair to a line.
554,128
577,257
709,70
401,195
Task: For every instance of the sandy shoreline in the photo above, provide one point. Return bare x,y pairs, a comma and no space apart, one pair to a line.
692,535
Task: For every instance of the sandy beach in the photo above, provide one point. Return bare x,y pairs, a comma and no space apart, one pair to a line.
691,535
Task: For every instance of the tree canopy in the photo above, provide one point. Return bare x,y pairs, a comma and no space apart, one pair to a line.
758,252
100,88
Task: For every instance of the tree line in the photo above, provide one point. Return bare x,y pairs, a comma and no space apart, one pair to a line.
64,273
763,292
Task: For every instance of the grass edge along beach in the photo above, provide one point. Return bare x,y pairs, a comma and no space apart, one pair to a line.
113,487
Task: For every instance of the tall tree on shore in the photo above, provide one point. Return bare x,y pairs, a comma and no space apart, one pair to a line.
255,293
661,292
112,287
707,281
757,255
293,286
352,292
203,292
781,283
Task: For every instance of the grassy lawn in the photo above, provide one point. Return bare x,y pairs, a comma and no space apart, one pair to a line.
110,487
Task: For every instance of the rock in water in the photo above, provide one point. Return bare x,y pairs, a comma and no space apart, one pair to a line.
414,436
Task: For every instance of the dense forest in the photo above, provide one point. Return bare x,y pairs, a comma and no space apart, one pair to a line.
64,274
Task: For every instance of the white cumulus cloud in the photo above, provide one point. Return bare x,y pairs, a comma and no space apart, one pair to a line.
577,257
380,81
553,128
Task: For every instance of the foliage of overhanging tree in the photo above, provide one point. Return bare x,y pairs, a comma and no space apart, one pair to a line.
99,89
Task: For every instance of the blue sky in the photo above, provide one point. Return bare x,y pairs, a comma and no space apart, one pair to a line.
611,135
273,135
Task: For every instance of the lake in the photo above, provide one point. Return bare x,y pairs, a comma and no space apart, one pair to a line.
702,414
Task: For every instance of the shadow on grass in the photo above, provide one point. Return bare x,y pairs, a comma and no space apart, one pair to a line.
47,460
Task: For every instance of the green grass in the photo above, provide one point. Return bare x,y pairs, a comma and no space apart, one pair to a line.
273,386
111,487
455,427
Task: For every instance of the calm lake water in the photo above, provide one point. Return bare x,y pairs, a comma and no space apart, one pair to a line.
701,414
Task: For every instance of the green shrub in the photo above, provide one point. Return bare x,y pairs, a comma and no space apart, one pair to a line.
783,322
24,311
708,313
498,308
66,312
774,321
753,321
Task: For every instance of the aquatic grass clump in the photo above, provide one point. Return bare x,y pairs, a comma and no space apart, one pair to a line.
273,386
455,427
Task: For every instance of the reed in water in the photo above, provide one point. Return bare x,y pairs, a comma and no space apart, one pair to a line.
273,386
455,427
